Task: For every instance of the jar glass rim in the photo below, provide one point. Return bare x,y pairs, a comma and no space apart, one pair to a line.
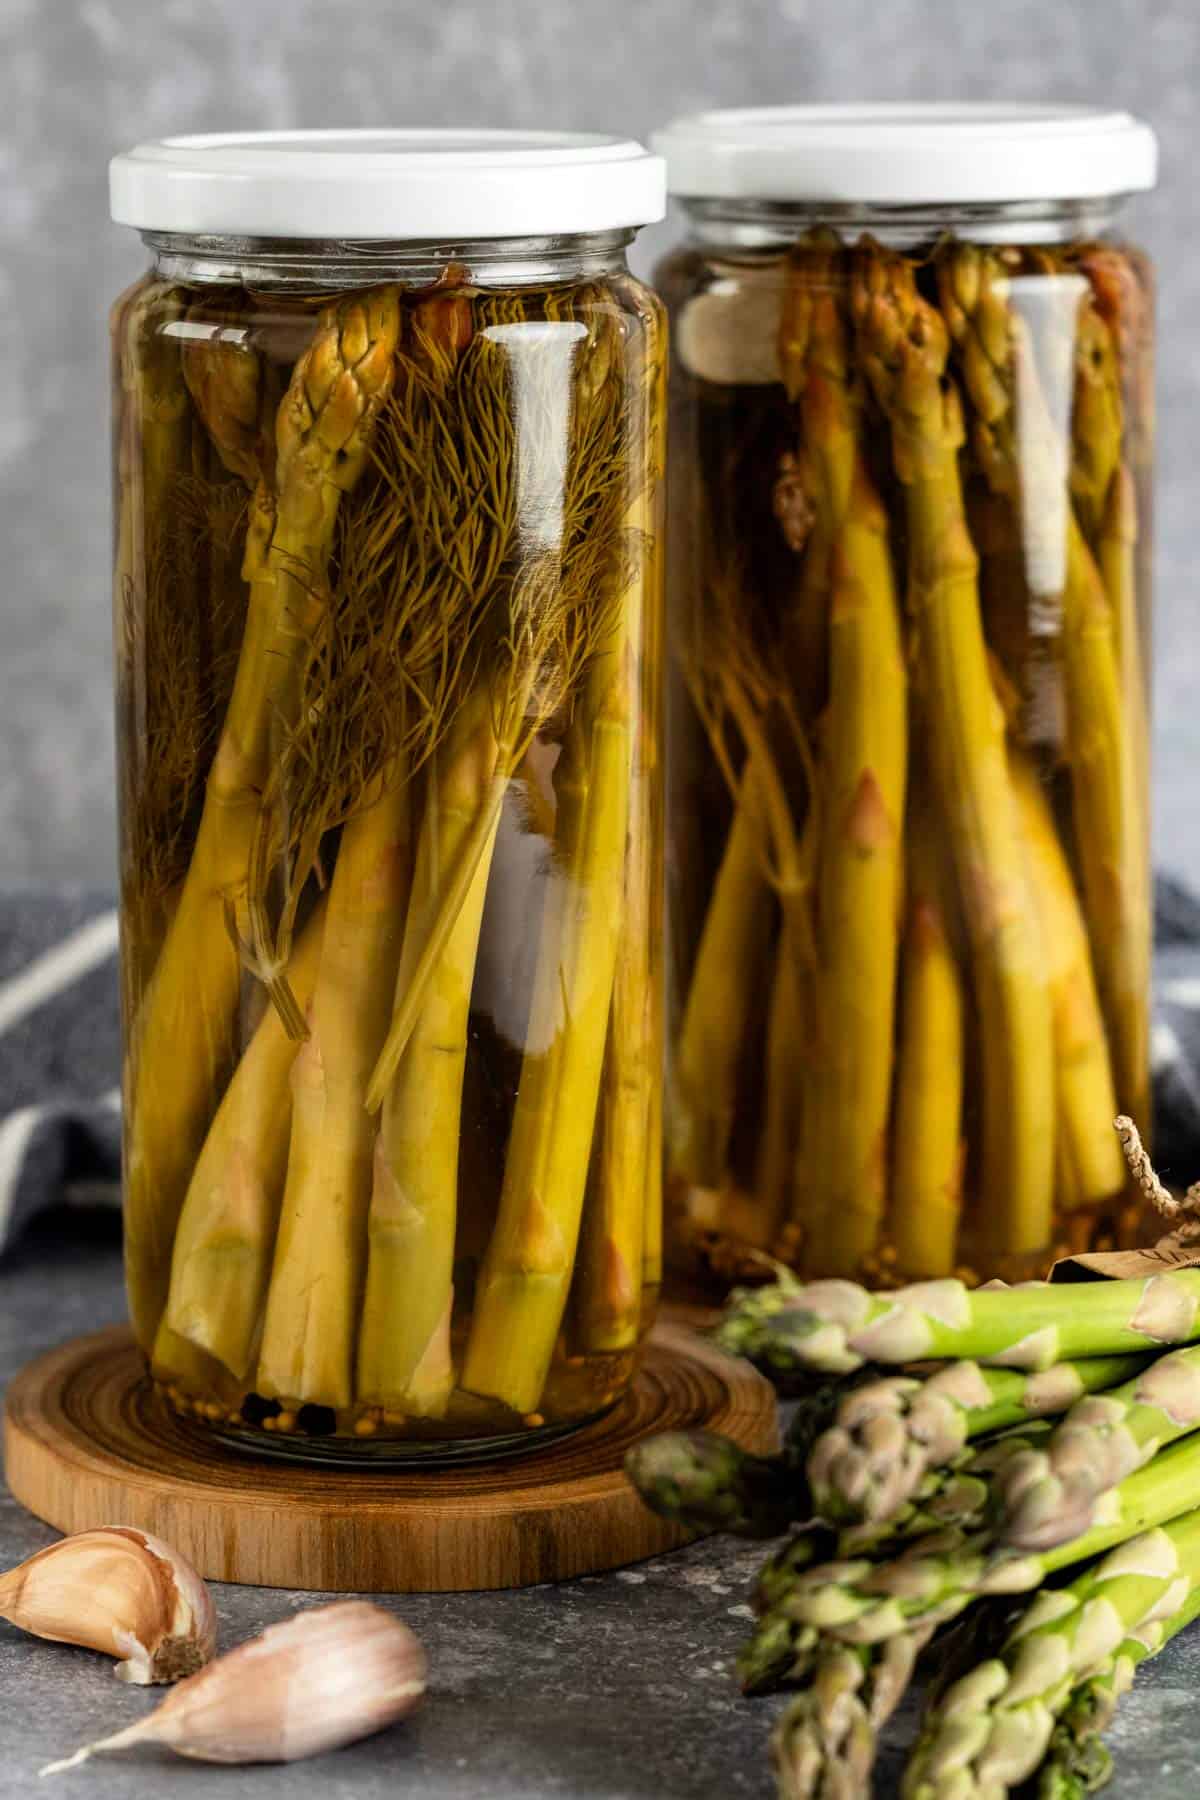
318,265
754,224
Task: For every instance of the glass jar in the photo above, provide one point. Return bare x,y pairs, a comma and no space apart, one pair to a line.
909,583
389,437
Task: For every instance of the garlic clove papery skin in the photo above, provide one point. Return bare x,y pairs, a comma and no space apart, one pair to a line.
120,1591
314,1683
317,1681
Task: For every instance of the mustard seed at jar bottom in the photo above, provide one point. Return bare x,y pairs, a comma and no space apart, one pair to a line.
387,637
909,586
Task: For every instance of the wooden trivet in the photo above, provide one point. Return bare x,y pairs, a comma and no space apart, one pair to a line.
87,1442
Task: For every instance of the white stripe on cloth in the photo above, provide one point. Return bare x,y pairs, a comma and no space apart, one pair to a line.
15,1135
77,955
1168,1053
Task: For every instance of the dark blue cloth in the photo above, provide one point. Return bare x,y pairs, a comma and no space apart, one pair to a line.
60,1054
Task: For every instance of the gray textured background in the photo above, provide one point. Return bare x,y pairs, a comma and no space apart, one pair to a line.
82,78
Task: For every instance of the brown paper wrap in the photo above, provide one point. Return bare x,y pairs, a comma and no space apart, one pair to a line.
1126,1265
1178,1249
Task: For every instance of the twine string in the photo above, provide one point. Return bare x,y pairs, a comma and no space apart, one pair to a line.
1182,1214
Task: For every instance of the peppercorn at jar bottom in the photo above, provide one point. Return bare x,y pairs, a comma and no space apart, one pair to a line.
910,904
387,702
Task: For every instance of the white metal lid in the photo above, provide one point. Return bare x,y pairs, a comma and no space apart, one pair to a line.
908,155
422,185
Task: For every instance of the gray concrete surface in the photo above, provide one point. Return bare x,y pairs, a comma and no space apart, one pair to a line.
81,79
615,1688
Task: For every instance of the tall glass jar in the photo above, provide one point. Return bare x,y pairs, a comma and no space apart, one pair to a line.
389,437
909,888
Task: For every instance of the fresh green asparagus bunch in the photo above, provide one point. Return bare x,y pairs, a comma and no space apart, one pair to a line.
862,1601
1051,1494
888,1433
708,1483
991,1730
1077,1762
1013,1468
836,1327
824,1742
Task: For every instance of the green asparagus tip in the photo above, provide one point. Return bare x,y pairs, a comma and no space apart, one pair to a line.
778,1652
747,1311
709,1483
778,1574
1086,1768
680,1470
1078,1761
770,1329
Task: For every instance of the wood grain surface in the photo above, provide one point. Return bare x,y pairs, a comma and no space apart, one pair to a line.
88,1442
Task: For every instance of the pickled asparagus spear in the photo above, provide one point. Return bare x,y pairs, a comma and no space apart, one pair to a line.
1116,555
726,668
404,1359
652,1216
540,614
311,1322
1110,826
608,1301
157,679
730,959
784,1177
153,379
1106,499
1021,456
1091,1167
928,1150
864,741
1097,419
404,1345
1122,288
226,1238
540,625
126,535
184,1041
527,1270
526,1274
1122,281
229,389
904,347
1007,613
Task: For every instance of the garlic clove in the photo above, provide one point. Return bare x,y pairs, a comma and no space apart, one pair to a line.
318,1681
120,1591
729,335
